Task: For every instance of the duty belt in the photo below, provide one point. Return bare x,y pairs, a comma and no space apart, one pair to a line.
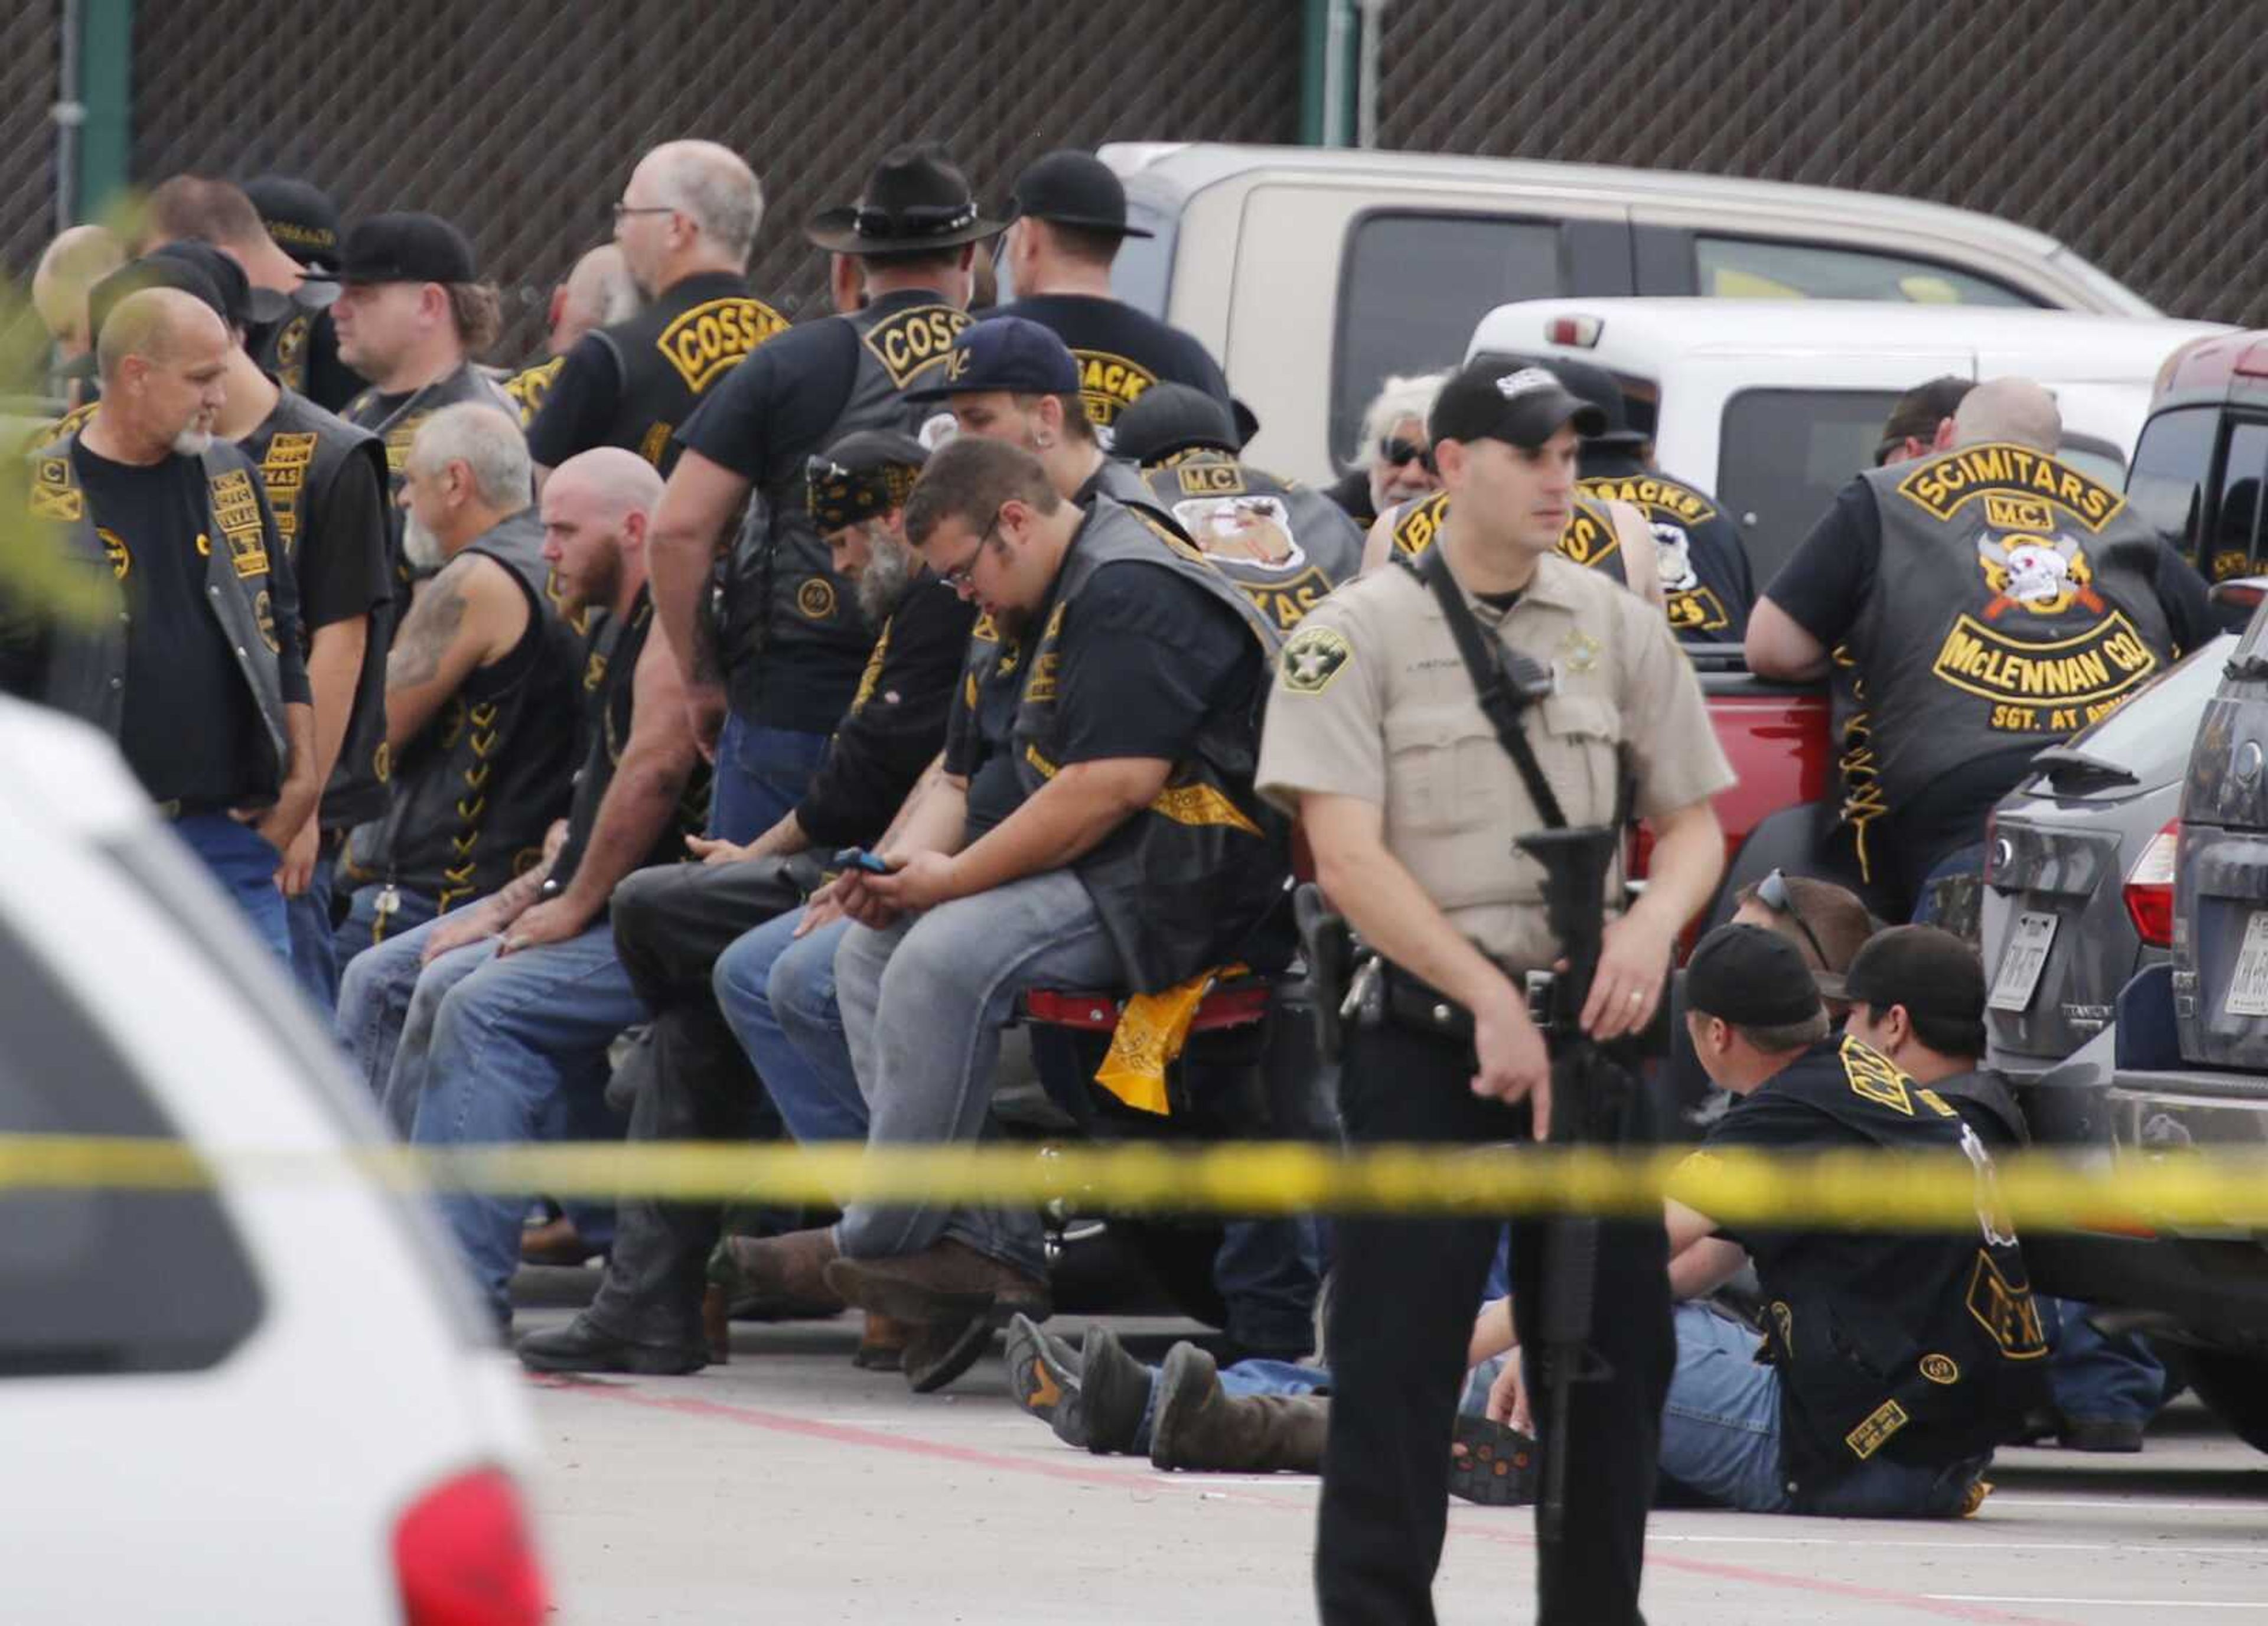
1381,992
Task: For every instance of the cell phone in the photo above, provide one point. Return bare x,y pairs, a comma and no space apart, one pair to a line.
859,858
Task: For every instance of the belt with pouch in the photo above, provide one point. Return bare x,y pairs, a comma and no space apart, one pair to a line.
1381,992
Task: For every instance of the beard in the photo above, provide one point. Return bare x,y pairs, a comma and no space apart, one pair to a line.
420,544
883,582
193,441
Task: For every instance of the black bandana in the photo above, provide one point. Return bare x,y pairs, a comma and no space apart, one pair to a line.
861,476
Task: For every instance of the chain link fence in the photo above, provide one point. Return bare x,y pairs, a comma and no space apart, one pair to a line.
520,121
2131,133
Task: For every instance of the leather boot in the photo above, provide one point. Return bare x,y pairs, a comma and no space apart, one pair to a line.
788,1270
1199,1427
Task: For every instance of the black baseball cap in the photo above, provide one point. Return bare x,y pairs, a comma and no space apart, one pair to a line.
1750,977
861,475
242,305
154,270
301,219
1168,418
1004,353
1492,400
1928,970
1593,383
1921,410
1075,188
407,248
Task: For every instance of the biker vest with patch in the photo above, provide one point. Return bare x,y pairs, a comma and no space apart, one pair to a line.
2013,603
281,347
1705,584
1187,880
609,689
1589,538
1283,546
1923,1349
476,790
301,449
673,352
785,606
84,673
398,427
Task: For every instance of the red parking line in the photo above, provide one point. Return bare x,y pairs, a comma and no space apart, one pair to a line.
846,1434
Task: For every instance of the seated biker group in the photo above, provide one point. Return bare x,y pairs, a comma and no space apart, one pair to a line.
768,719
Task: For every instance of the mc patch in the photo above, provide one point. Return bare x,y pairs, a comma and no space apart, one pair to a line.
815,599
1313,657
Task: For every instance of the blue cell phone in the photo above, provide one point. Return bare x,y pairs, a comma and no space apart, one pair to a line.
859,858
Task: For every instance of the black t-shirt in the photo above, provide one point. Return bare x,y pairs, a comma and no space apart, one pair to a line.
895,726
347,576
1351,492
1147,657
781,401
1824,584
190,729
1105,333
579,405
977,748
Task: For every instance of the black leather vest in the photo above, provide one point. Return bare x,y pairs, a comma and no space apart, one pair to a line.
1589,539
785,605
1705,583
399,427
301,449
85,673
1937,1357
1185,882
1283,546
673,352
609,689
476,790
2014,603
281,346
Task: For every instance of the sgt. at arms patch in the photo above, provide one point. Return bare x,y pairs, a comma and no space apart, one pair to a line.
1313,657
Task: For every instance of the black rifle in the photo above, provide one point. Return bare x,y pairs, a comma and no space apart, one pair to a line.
1590,1099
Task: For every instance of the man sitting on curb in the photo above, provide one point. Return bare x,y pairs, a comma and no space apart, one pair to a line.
1893,1364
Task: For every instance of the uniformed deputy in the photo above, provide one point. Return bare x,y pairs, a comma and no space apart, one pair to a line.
685,223
1070,223
1706,587
1285,546
480,686
1376,737
792,645
326,482
411,313
1994,601
198,677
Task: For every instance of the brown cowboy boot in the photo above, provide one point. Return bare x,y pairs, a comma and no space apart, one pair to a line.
1199,1427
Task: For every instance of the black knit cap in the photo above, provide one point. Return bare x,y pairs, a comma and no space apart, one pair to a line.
1751,978
1168,418
861,476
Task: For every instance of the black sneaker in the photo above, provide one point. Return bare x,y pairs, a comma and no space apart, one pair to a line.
2105,1434
580,1347
1043,1376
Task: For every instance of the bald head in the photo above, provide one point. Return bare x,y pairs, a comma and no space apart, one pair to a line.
598,293
691,206
597,507
2009,409
159,326
164,356
619,481
79,258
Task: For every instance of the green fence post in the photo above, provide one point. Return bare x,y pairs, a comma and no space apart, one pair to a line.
106,89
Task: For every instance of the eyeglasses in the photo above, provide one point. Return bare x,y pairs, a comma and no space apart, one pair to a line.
1772,892
623,212
1396,450
962,574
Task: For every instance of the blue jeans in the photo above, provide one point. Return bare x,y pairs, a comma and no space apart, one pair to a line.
510,1049
923,1003
1268,1272
314,947
778,993
244,862
1720,1437
762,775
374,990
2097,1376
360,931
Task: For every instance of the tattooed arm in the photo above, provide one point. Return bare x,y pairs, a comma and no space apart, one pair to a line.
469,616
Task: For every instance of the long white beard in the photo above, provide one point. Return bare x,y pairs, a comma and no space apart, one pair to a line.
192,442
418,541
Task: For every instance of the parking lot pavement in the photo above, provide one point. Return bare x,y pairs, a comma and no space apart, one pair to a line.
788,1486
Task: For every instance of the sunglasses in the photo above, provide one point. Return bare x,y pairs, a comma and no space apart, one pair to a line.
1773,893
1396,452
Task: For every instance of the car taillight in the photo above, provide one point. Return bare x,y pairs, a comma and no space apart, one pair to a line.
1995,860
1579,333
462,1556
2149,892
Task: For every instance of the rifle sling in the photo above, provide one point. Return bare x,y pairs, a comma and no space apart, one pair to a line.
1483,659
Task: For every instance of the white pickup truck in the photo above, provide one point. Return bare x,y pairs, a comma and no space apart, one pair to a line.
1313,273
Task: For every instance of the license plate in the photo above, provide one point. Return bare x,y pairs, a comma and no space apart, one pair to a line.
2023,961
2248,990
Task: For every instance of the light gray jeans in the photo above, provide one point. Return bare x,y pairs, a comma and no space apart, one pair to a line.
923,1003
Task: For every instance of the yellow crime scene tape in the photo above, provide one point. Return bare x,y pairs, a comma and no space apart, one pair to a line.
1844,1190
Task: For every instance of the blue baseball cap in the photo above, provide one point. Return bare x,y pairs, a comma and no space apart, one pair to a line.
1004,353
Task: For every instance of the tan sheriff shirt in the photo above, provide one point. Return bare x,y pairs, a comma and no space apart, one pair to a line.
1370,700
